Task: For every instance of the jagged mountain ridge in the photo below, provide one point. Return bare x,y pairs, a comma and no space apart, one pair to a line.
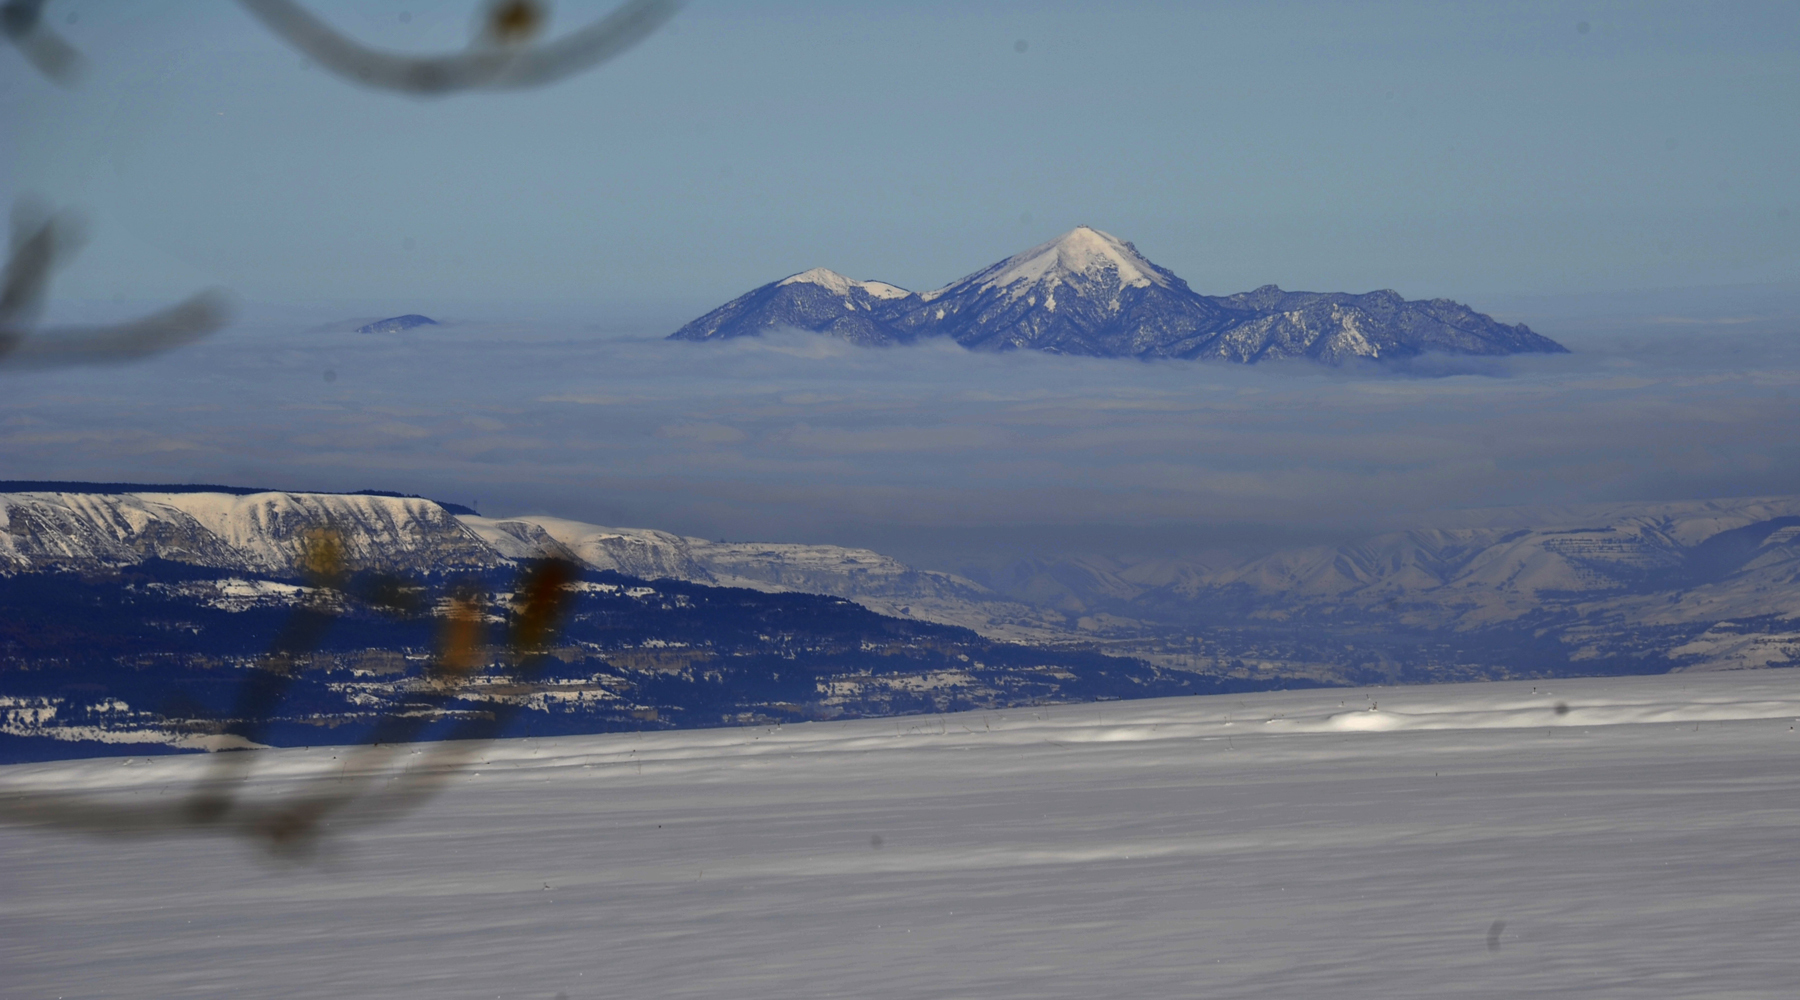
1090,293
266,534
1594,578
1465,576
1692,585
172,596
1086,293
1472,574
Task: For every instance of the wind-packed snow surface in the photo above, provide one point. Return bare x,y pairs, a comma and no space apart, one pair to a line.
1624,837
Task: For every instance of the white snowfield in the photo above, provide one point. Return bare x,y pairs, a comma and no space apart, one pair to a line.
1083,253
826,278
1466,840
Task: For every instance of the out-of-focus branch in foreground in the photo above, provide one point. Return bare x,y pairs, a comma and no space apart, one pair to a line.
499,58
22,22
42,242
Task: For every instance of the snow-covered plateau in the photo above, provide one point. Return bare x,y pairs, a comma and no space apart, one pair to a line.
1616,837
258,532
1703,584
268,532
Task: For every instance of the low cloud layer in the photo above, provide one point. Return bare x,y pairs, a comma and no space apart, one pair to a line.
796,437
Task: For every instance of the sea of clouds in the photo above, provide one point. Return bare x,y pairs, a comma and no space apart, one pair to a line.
797,437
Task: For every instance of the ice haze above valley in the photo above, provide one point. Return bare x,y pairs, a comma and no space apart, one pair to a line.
933,453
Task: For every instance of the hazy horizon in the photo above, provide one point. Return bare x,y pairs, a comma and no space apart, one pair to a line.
1461,150
1618,176
933,453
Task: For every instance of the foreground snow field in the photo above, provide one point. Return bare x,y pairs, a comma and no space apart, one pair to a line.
1640,841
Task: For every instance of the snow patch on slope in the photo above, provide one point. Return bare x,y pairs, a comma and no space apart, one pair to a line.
1082,252
835,282
259,532
877,582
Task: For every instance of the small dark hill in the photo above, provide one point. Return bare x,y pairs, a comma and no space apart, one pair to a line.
394,324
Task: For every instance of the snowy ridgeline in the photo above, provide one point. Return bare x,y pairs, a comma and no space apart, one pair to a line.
1708,584
254,533
1662,562
1091,293
267,533
1616,837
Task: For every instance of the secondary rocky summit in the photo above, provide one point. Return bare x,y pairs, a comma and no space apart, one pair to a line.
1090,293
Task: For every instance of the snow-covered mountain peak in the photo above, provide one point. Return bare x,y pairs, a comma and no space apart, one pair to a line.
1089,293
834,282
1083,251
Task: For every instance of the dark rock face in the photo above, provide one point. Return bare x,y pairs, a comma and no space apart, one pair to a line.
394,324
1089,293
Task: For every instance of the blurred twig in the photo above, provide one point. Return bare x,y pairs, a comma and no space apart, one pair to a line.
42,242
22,21
365,788
499,57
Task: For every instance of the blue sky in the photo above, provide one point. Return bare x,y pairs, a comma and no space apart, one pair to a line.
1472,150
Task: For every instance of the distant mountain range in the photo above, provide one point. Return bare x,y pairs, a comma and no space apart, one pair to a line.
1612,570
107,592
1632,588
1090,293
